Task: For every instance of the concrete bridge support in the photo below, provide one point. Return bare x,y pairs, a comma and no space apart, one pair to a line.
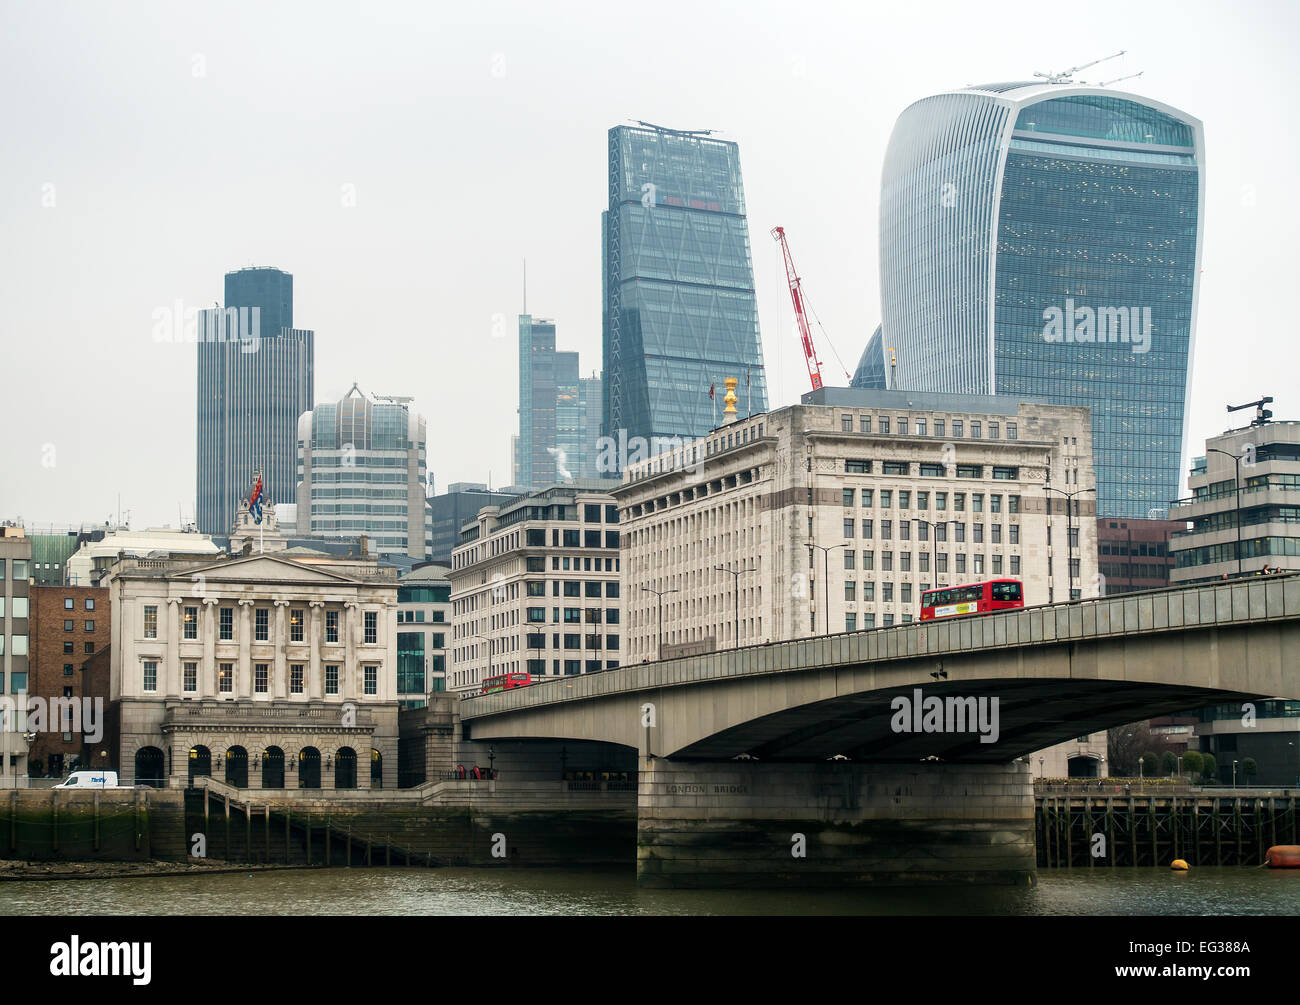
749,824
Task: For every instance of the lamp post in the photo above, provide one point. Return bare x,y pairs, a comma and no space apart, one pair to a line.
735,574
826,584
659,653
1236,478
1234,776
472,635
934,526
1069,531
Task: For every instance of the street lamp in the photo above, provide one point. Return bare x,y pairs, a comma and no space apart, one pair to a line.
660,594
826,568
1234,775
1236,462
735,574
472,635
1069,530
934,526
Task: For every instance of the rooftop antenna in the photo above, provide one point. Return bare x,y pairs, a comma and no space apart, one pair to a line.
679,132
1064,78
1107,83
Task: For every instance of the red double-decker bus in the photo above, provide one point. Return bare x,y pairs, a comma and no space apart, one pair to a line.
977,598
505,681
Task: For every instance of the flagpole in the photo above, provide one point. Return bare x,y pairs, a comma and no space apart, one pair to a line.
261,524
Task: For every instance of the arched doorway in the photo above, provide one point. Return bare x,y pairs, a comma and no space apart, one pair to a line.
237,767
200,762
345,768
1084,766
309,768
376,769
273,768
149,767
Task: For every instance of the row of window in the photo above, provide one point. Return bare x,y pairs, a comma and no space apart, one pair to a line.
261,624
70,603
262,677
20,569
941,560
930,469
536,538
537,563
940,531
884,425
572,588
537,640
417,617
868,497
869,621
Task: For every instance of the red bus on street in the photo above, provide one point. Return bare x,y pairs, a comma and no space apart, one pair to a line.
977,598
505,681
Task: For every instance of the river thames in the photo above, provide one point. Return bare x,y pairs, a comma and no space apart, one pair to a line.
1146,891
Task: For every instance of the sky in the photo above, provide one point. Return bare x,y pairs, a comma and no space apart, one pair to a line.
402,160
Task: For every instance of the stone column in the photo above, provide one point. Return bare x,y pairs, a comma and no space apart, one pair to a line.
244,672
208,633
349,685
170,679
315,673
280,686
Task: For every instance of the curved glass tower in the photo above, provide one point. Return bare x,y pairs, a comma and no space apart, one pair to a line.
1043,241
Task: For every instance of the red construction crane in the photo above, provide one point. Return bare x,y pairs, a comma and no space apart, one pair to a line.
796,294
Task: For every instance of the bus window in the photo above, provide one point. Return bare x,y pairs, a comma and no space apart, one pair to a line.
1006,591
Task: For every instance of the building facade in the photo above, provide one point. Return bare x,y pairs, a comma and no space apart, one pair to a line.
69,625
679,307
1244,510
362,469
88,565
423,630
15,654
264,671
1266,733
1135,554
535,587
1043,241
456,507
256,376
835,515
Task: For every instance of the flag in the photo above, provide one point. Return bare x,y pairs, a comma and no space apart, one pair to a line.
255,500
711,387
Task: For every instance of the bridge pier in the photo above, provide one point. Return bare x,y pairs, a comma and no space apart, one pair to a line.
750,824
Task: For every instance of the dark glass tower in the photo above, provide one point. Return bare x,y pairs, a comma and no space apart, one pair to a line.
679,306
1043,241
255,378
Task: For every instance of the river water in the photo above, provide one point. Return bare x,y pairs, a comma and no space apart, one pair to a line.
572,892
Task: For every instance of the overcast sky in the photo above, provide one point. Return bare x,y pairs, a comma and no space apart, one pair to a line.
401,160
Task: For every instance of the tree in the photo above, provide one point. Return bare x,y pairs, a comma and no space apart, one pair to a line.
1249,768
1192,763
1124,746
1209,767
1168,762
1150,763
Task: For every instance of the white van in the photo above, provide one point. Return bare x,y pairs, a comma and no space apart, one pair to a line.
90,780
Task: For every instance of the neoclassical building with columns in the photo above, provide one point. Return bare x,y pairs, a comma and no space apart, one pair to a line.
271,671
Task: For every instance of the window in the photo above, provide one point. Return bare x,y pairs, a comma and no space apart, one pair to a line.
868,497
191,676
331,678
536,588
536,538
846,423
225,677
961,564
1015,565
90,649
20,568
886,498
849,527
850,590
958,428
1011,430
90,603
1013,504
67,649
536,615
90,625
868,561
261,676
905,593
920,427
226,624
869,591
995,504
295,678
854,467
611,589
611,541
994,432
591,513
190,623
868,528
150,622
372,680
850,496
970,471
997,565
886,530
371,627
1014,530
884,424
931,470
895,468
69,604
902,426
865,424
976,429
572,641
1002,473
572,539
850,558
904,500
886,561
68,670
996,531
261,625
331,626
887,593
150,682
850,622
69,625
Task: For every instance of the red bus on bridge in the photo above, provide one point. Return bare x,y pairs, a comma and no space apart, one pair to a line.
505,681
977,598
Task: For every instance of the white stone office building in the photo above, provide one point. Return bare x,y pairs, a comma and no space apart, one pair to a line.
841,511
535,587
362,469
423,634
1250,475
263,670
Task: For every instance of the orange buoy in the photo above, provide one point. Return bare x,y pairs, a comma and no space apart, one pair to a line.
1179,865
1283,856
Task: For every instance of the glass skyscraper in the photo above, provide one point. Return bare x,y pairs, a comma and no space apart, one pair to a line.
1043,241
255,378
559,411
679,308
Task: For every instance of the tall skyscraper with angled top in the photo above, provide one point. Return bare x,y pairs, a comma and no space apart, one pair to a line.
679,309
1043,241
255,378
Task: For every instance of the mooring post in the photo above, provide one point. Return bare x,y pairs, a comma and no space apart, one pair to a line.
348,846
309,839
287,854
54,814
13,820
96,816
329,843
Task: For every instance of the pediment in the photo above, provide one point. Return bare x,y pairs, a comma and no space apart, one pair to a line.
265,569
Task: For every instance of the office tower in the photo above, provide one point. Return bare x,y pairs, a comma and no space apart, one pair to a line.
559,412
1043,241
362,470
679,308
456,507
255,378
